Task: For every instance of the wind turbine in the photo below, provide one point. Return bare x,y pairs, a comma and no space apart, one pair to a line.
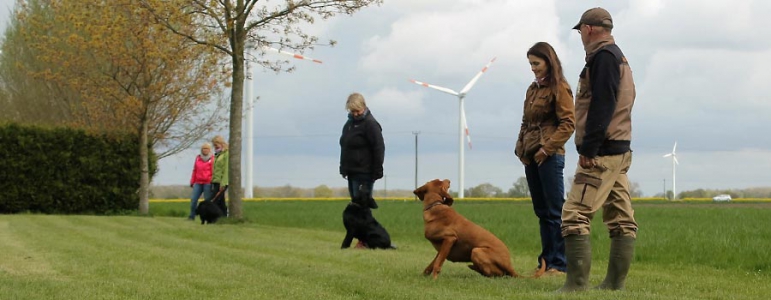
673,154
463,126
248,193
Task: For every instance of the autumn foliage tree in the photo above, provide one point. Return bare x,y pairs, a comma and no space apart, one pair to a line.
130,72
485,190
24,99
232,26
519,188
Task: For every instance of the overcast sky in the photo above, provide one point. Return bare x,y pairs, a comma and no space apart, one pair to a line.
701,69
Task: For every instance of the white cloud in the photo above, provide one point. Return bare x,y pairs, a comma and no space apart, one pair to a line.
671,73
647,8
755,81
392,101
692,23
456,39
407,6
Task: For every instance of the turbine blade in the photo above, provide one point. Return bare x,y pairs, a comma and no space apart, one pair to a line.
473,81
674,148
298,56
667,155
675,158
465,126
436,87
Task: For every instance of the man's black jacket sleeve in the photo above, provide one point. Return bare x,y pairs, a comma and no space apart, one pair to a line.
605,77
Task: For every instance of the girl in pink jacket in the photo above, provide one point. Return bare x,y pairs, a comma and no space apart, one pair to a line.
201,179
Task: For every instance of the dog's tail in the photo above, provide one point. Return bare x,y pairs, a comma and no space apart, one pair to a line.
540,271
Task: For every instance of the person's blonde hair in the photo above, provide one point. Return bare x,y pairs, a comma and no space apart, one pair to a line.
221,141
355,102
206,145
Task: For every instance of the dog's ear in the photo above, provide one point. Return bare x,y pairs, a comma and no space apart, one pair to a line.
445,192
421,191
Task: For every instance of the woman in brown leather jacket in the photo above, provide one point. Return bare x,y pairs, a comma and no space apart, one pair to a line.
547,123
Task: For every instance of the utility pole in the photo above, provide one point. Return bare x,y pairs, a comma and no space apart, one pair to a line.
249,115
385,186
416,159
665,189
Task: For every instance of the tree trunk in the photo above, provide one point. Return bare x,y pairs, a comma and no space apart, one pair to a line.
144,164
235,191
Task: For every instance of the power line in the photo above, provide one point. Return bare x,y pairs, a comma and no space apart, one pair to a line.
416,133
385,133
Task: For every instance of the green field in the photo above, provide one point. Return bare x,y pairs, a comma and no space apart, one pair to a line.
290,250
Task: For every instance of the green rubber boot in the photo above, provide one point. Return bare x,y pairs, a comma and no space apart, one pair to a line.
621,253
578,251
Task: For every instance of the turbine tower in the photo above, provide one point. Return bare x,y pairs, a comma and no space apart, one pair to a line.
463,126
248,192
673,154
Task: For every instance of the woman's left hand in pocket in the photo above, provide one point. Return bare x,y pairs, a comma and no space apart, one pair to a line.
540,156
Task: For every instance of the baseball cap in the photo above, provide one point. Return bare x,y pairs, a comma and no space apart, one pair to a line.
597,16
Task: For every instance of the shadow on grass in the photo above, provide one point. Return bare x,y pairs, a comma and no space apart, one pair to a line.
233,221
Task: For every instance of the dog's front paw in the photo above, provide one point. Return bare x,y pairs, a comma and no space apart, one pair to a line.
346,244
436,275
428,270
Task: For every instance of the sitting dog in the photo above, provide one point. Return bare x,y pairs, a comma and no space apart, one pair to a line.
457,239
208,212
360,224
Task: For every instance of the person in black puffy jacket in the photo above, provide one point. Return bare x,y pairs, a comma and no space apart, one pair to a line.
362,148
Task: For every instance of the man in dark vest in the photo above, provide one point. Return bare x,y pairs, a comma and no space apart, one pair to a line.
603,135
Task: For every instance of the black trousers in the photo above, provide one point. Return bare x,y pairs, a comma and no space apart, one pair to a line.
219,199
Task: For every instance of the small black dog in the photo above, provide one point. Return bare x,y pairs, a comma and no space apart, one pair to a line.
360,224
208,212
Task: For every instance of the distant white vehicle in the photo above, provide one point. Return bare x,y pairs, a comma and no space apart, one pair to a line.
721,198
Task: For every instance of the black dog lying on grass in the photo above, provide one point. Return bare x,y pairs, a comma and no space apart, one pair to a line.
208,212
360,224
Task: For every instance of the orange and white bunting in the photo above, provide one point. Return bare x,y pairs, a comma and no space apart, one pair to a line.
295,55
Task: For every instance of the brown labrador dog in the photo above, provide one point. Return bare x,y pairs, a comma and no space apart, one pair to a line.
457,239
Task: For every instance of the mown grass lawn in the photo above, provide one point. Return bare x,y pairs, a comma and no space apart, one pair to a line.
290,250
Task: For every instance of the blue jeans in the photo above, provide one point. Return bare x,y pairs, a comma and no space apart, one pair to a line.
547,190
199,189
354,180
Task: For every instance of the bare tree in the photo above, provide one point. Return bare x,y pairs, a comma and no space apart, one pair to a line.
634,190
232,26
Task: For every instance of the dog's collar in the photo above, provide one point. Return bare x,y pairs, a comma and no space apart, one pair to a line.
434,205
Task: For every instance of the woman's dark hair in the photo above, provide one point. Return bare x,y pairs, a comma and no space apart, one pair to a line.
555,75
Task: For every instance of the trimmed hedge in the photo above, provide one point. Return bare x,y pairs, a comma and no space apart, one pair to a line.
68,171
